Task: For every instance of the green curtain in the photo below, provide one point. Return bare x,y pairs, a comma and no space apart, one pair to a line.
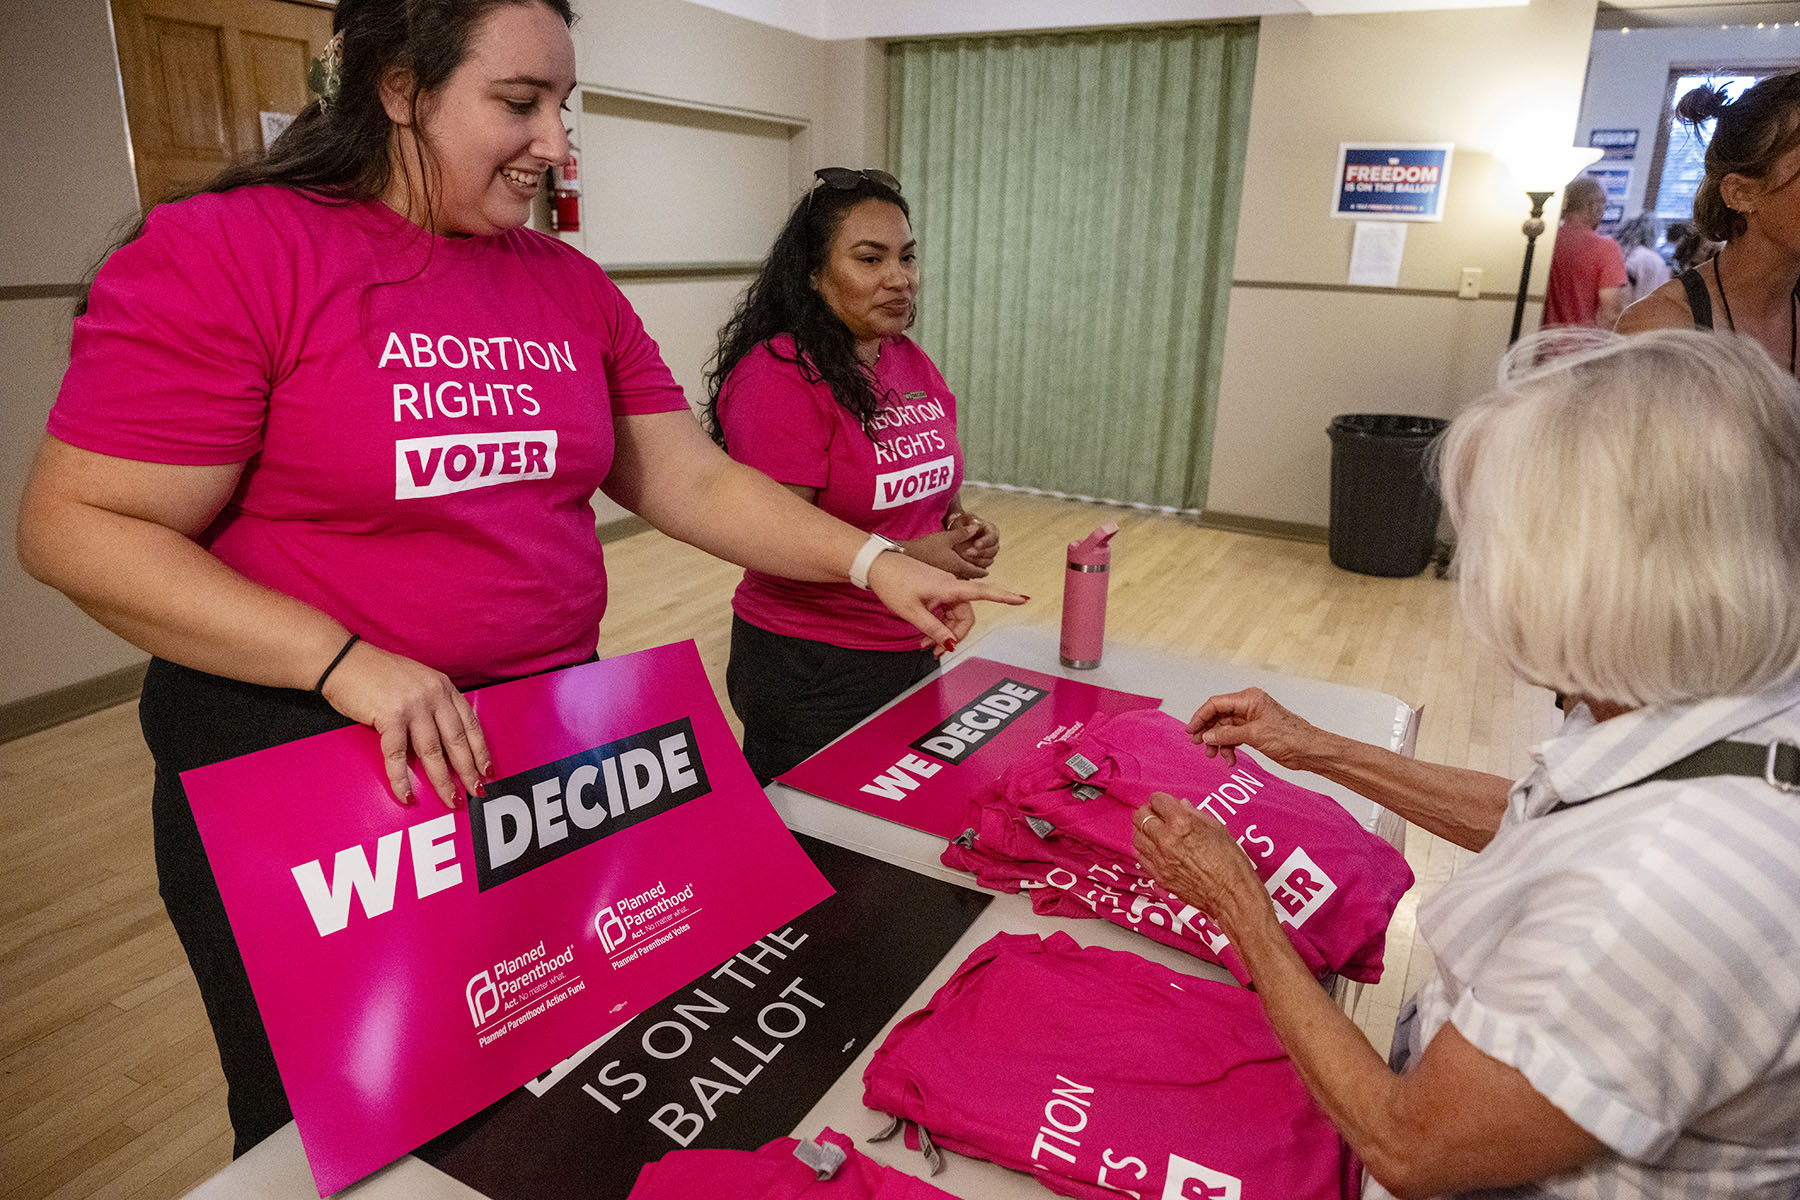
1075,197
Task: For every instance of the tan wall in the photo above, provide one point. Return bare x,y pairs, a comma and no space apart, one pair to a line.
1297,355
69,183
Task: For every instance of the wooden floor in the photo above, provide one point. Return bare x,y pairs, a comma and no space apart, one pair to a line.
109,1085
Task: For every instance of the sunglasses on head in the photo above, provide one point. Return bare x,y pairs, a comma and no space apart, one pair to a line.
845,178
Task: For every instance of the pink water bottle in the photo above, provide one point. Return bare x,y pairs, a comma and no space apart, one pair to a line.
1084,599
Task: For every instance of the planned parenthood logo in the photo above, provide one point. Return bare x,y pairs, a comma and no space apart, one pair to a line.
483,998
610,928
635,925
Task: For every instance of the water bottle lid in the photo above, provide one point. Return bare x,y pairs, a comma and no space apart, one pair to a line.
1094,549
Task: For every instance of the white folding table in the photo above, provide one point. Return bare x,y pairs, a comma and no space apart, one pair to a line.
276,1169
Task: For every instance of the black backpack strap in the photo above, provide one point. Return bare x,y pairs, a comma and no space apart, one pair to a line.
1699,303
1776,763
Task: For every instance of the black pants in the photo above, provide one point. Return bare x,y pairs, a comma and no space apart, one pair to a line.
192,719
795,695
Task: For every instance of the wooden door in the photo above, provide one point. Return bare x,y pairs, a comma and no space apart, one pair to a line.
204,79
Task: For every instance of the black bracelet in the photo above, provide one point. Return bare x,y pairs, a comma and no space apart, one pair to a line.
319,687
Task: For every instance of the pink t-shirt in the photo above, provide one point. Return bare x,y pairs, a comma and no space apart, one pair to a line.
1583,263
775,1173
898,485
1102,1073
422,420
1334,884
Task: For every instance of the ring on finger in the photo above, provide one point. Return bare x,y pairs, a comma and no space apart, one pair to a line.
1145,823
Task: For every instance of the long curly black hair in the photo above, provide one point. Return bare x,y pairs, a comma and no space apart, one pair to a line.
782,299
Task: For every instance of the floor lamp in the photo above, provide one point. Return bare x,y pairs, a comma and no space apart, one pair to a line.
1533,226
1541,171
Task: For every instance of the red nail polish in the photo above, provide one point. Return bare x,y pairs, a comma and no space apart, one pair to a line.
950,645
481,790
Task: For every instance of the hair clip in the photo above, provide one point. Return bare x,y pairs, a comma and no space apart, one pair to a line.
325,76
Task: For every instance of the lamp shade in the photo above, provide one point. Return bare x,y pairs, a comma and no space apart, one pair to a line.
1545,167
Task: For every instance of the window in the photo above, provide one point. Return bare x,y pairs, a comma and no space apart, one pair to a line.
1680,159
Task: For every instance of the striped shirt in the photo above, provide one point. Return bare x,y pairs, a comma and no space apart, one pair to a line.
1637,956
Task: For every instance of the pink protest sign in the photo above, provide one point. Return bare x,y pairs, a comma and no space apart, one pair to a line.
415,965
920,761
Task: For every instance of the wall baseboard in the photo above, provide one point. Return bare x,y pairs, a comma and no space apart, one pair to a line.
1293,531
40,712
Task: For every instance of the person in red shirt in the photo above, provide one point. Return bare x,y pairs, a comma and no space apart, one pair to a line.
1587,270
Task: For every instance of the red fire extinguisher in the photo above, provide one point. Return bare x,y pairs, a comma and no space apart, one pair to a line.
565,198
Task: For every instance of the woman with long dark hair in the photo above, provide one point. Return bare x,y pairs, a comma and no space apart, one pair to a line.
1749,199
816,384
329,434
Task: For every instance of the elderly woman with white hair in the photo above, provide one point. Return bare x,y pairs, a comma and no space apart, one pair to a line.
1615,1008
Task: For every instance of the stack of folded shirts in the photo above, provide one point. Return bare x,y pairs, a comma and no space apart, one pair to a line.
785,1169
1057,824
1102,1073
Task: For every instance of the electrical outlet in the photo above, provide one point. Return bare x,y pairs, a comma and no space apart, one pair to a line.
1469,286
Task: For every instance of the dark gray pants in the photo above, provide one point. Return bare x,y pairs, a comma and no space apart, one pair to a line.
795,695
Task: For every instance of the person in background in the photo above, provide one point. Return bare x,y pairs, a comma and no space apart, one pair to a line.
1685,247
816,384
1615,1003
1644,266
1748,199
1587,269
1691,249
329,433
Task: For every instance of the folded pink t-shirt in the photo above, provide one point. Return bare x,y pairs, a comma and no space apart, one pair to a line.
1061,816
774,1173
1100,1072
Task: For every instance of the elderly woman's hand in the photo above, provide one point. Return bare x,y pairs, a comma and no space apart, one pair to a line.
1194,856
1251,718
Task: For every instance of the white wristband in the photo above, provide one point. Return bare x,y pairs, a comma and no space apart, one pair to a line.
865,558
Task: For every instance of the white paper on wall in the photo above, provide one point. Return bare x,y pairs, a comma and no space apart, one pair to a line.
272,125
1376,252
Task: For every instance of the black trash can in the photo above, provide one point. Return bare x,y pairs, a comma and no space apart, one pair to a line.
1384,512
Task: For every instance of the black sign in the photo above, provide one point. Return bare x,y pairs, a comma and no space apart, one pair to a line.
537,816
979,720
732,1060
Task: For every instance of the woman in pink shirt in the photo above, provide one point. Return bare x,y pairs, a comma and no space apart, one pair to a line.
329,433
816,385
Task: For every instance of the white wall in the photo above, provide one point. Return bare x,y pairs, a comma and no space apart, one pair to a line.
1628,78
1302,347
67,185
